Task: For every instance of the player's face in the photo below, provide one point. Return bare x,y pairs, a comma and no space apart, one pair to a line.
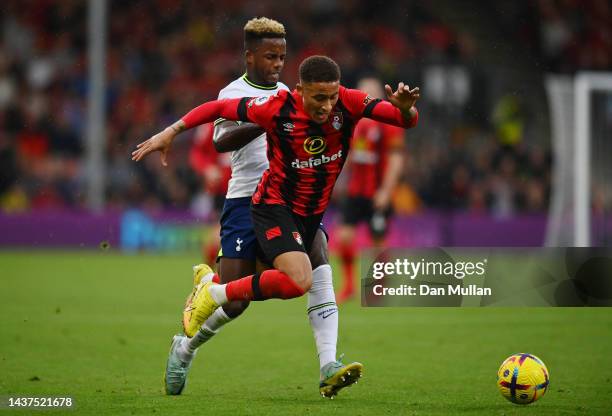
319,99
266,61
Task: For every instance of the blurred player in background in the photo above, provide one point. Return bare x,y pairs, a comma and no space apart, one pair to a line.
265,49
308,132
373,169
215,169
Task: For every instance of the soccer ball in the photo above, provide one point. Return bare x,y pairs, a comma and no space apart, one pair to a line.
522,378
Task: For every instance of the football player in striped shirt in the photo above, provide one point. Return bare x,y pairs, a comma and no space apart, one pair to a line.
308,132
265,49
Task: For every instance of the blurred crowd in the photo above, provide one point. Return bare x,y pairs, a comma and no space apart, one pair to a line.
566,34
166,56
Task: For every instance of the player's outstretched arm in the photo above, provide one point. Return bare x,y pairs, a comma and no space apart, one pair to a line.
161,142
230,136
398,111
404,99
205,113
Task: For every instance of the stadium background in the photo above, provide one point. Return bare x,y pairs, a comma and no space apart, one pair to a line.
482,152
477,172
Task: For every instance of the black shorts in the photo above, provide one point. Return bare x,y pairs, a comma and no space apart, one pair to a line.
358,209
279,230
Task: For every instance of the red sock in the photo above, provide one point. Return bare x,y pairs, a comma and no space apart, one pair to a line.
216,278
347,254
267,285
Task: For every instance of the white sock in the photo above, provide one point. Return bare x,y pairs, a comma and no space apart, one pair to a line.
216,320
183,351
323,314
218,294
208,330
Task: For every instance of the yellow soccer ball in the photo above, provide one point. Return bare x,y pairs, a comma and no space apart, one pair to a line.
522,378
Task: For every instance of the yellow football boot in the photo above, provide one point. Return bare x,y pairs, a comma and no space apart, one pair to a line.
201,307
200,271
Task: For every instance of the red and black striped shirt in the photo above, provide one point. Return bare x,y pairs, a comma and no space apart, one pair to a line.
305,157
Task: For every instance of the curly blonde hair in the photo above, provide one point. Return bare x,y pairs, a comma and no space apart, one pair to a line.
263,27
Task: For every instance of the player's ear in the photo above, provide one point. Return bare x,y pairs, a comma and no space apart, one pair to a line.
249,57
299,88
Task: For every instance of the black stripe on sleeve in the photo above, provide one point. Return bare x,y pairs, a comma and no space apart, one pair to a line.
257,295
367,111
242,109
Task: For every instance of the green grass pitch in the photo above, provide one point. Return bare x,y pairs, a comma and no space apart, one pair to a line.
97,326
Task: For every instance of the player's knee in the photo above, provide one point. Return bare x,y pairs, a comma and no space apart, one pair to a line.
235,308
296,266
303,280
301,276
306,283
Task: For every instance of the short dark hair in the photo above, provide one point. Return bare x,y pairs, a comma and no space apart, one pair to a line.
261,28
319,69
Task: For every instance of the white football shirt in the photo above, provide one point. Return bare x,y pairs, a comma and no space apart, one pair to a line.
250,162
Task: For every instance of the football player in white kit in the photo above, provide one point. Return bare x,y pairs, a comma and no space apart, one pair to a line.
265,49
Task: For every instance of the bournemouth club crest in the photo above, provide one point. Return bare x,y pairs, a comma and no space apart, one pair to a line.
337,120
298,238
